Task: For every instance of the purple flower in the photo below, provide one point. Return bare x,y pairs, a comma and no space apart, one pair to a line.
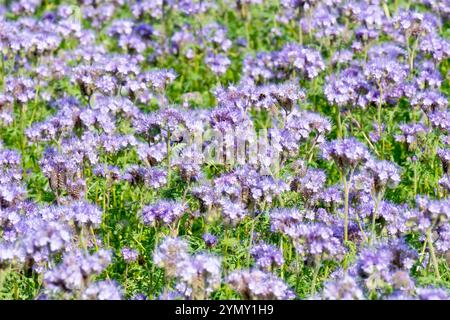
383,174
83,214
151,177
342,57
189,162
59,169
442,242
285,219
412,134
267,256
107,171
303,126
411,23
155,178
323,22
386,75
444,156
432,212
346,153
330,197
377,265
313,240
218,63
309,184
277,64
232,212
438,48
210,240
259,285
430,101
444,182
11,194
139,296
158,80
102,290
10,166
345,288
348,88
429,77
287,94
21,88
36,242
6,109
163,212
129,255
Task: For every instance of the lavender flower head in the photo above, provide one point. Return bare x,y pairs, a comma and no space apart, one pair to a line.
75,271
432,294
377,265
316,241
259,285
169,253
345,288
83,213
199,275
103,290
209,239
163,212
267,256
383,174
347,153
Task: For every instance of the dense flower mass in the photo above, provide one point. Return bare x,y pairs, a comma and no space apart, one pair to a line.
253,149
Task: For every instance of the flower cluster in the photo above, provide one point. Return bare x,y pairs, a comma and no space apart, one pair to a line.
163,212
259,285
195,149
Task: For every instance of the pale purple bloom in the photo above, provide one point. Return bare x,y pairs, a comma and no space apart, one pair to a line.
169,252
259,285
345,288
346,153
73,273
209,239
267,256
432,294
102,290
412,134
199,275
383,174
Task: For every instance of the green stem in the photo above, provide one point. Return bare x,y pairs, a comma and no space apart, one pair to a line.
297,282
168,157
412,54
377,199
346,199
380,103
339,122
415,177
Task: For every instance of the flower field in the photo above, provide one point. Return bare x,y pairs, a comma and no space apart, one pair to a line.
247,149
